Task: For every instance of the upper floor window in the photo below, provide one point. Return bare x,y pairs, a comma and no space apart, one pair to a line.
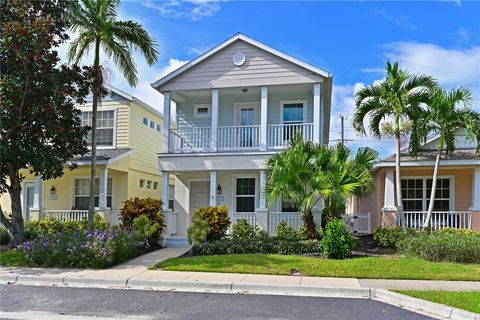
105,127
152,124
159,128
202,111
293,112
145,120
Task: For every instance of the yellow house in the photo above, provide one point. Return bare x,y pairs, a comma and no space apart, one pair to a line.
129,136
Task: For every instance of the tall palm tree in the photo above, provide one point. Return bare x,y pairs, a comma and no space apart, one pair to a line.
397,98
306,172
444,119
95,22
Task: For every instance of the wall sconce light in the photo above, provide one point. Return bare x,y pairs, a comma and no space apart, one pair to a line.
244,90
52,190
219,189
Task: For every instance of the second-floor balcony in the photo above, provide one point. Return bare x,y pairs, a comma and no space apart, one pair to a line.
236,138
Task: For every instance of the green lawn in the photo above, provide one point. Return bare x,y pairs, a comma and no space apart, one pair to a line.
12,257
466,300
390,267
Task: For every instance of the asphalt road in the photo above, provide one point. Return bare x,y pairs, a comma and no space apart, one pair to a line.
28,302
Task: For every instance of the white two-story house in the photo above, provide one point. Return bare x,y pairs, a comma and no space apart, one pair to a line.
235,106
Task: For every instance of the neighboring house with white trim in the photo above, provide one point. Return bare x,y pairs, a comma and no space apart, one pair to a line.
129,136
457,202
236,105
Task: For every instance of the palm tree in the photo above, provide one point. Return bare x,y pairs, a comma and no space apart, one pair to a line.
397,98
444,119
95,22
306,172
349,175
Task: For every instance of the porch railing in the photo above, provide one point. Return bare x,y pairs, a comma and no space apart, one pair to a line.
238,137
65,215
278,135
440,219
190,139
293,219
249,216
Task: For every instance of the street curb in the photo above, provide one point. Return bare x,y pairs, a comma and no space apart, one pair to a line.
89,282
181,286
428,308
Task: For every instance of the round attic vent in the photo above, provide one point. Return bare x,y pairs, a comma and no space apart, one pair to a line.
238,59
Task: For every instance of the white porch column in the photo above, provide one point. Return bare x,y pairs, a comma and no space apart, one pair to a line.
476,190
37,185
214,119
389,199
263,118
102,192
316,113
166,121
213,188
262,204
165,183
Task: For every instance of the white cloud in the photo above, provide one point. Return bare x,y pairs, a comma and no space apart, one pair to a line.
452,67
399,20
193,9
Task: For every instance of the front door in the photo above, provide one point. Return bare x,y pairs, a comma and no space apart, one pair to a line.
199,194
246,119
28,199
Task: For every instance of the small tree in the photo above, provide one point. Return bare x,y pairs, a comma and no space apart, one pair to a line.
40,128
444,119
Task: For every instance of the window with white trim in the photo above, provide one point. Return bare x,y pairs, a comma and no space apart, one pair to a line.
293,115
105,127
245,194
159,128
201,111
155,185
81,193
289,206
149,184
152,124
142,183
145,120
416,194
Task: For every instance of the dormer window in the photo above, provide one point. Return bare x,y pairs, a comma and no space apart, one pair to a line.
202,111
105,127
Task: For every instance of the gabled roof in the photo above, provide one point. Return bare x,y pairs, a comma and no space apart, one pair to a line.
103,156
253,42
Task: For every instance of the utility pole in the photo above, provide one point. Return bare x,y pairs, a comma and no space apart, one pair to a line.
342,132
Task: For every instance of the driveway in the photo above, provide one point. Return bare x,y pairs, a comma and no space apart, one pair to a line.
28,302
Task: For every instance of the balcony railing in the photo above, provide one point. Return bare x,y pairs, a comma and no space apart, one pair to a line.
440,219
236,138
278,135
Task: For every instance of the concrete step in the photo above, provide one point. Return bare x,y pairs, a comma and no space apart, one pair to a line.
177,242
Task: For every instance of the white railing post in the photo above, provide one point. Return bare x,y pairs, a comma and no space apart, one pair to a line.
165,184
166,121
263,118
316,113
103,190
213,188
214,132
37,185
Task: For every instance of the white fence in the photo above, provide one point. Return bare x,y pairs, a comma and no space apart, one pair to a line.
359,222
440,219
278,135
238,137
293,219
249,216
65,215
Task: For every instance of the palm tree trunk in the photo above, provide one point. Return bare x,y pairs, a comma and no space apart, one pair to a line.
434,186
96,93
398,185
309,224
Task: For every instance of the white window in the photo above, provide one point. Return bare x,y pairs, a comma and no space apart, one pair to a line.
142,183
201,111
105,127
159,128
293,111
82,193
155,185
245,195
416,194
149,184
152,124
145,120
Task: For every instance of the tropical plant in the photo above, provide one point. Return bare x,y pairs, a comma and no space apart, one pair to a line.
444,119
95,22
306,172
149,207
217,218
145,229
40,128
338,242
396,98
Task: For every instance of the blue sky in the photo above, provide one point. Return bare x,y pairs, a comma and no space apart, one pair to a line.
350,39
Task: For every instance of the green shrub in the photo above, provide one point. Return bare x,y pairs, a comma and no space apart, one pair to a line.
149,207
198,231
388,237
338,241
243,230
218,220
447,245
284,230
145,229
4,237
81,249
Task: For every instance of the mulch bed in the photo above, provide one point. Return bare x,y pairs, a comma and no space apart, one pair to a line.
366,246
